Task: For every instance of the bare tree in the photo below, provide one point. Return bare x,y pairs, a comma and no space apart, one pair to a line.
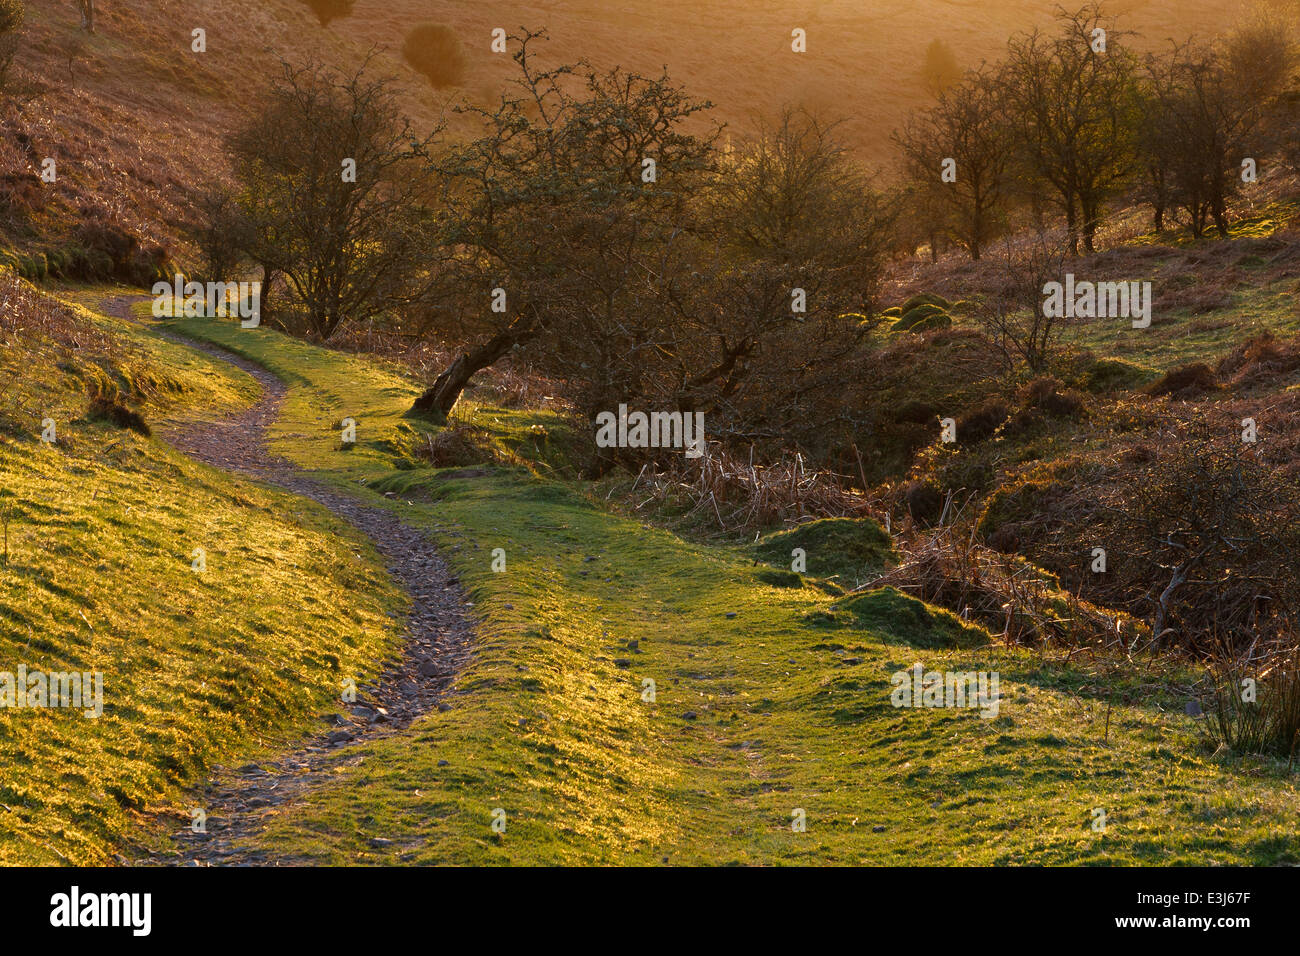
796,220
1075,100
940,69
571,204
968,129
1012,311
1211,111
335,197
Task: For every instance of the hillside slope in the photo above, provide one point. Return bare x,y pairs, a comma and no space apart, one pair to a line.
99,574
132,114
770,696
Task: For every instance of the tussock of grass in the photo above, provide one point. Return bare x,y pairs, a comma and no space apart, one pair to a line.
848,549
898,616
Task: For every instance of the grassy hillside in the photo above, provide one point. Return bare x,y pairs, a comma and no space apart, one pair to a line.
101,532
771,696
132,160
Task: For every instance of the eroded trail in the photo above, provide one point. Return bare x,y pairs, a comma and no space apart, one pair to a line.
437,641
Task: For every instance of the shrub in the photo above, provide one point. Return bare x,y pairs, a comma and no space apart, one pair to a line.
11,19
434,50
1185,381
1259,359
916,412
924,501
914,315
1115,375
939,321
980,423
1269,724
106,405
456,445
1049,395
1010,597
1016,504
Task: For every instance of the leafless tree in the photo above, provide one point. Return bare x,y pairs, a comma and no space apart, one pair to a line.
968,127
1077,108
1011,311
335,197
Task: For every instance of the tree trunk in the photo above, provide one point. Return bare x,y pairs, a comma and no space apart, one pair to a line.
268,277
88,15
446,389
1072,227
1221,216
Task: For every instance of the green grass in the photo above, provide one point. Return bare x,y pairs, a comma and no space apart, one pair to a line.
197,668
766,701
1182,337
850,550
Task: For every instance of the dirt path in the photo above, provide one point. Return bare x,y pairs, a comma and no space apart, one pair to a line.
438,631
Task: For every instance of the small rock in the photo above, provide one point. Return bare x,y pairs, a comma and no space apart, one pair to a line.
428,669
622,662
444,706
878,829
443,763
380,842
689,715
408,688
731,614
339,736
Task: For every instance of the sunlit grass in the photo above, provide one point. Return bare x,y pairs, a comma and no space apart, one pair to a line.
197,668
758,712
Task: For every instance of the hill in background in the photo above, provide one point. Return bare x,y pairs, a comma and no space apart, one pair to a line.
136,120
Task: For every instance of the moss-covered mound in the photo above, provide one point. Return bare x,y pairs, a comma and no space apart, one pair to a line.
890,611
852,549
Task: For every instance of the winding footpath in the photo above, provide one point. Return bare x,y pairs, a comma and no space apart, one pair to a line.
438,638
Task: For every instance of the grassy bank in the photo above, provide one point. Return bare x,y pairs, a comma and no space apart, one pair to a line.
103,524
767,700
